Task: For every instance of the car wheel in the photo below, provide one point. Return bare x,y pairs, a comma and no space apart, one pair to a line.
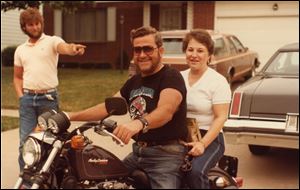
258,150
229,78
252,73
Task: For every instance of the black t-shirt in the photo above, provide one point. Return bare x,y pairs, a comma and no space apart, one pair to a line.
142,95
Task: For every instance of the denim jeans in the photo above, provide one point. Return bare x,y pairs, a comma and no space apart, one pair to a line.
197,178
31,106
161,163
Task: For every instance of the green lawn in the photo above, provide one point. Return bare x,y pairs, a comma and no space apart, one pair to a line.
8,123
78,89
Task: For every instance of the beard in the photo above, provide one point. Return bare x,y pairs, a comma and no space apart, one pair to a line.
34,36
150,68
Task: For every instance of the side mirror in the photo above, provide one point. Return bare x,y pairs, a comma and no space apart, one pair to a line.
116,106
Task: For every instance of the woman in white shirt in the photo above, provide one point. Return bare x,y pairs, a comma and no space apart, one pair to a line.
208,99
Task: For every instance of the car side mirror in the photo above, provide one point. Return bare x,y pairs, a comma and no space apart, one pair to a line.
116,106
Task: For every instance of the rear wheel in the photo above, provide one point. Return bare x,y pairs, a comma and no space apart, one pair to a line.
219,179
258,149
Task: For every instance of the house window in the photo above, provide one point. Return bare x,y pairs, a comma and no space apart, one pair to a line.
85,26
170,17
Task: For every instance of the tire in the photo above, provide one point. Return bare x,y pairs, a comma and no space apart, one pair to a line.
259,150
251,73
216,172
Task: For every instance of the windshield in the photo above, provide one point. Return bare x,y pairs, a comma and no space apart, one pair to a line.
173,46
285,63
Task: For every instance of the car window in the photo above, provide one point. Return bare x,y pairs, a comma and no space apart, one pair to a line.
220,48
173,46
238,45
231,47
285,63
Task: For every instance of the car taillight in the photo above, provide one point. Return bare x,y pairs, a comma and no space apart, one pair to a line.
236,104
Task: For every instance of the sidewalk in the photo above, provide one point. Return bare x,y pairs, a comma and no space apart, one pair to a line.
10,112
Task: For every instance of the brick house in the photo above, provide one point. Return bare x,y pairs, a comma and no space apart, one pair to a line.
99,26
263,26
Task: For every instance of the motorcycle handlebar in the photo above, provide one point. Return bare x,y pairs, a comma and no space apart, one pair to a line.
104,127
109,125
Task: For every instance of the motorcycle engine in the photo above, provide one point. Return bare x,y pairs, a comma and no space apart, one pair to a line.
113,185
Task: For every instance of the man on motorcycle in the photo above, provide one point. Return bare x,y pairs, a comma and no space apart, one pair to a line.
157,106
35,71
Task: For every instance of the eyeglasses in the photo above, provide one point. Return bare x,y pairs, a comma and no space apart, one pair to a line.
148,50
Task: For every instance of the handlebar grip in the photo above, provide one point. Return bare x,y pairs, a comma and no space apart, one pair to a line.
110,125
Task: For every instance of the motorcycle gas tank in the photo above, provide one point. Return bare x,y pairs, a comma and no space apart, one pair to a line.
95,163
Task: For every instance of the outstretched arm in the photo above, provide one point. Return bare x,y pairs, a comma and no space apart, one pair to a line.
70,49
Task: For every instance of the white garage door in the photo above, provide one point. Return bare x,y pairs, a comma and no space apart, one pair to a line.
259,30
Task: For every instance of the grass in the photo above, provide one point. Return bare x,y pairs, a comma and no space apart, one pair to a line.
8,123
78,88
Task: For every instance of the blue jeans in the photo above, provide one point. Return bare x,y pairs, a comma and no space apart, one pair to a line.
197,178
31,106
161,163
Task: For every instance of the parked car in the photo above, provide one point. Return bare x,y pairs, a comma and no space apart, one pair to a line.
264,110
231,58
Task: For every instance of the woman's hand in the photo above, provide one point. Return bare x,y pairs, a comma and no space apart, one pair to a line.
197,148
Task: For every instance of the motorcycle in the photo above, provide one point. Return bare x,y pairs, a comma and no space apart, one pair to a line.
57,159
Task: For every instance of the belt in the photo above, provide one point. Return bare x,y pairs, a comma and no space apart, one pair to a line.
156,143
39,91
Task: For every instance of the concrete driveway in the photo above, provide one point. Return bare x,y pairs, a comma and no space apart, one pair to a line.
276,170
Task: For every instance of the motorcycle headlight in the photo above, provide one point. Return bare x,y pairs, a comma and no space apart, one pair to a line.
31,152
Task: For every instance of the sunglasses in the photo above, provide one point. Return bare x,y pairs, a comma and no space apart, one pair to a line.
148,50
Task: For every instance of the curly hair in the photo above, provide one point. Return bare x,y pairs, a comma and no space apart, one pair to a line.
144,31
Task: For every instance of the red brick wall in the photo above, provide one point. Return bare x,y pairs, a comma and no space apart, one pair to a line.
154,15
48,20
106,52
109,52
204,12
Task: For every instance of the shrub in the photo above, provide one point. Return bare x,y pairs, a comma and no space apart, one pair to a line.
7,55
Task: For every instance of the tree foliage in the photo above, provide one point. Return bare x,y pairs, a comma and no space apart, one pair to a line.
68,6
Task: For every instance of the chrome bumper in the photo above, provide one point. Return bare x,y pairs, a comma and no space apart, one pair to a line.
267,133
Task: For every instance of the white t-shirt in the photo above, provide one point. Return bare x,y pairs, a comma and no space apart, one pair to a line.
39,62
211,88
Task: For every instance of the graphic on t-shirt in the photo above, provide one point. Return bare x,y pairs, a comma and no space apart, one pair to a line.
138,104
137,107
143,91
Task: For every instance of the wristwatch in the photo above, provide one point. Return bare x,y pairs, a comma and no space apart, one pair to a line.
145,124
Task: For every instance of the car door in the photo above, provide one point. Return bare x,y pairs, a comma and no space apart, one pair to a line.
221,59
241,59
